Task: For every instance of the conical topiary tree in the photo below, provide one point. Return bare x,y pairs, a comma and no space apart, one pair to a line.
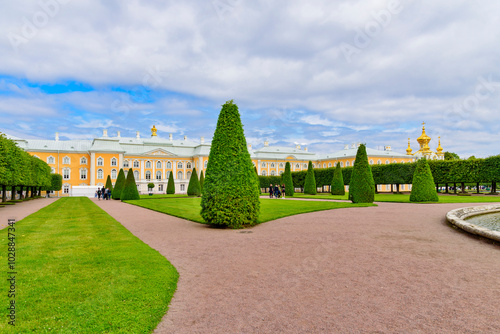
423,187
288,181
202,180
230,192
310,182
337,186
109,184
171,184
120,182
130,191
258,179
194,185
362,185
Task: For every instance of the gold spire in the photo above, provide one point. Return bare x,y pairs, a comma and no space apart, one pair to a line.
408,150
424,140
439,148
153,131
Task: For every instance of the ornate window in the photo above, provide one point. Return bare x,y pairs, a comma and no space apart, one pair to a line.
263,164
206,163
66,161
272,165
169,165
379,162
52,170
113,174
264,173
371,162
179,164
83,173
66,189
83,161
160,187
100,161
126,163
51,160
297,166
136,164
113,162
100,174
347,163
305,165
66,173
158,164
341,164
387,162
158,175
148,164
324,165
183,187
136,174
281,165
148,175
179,175
273,173
329,164
188,165
168,174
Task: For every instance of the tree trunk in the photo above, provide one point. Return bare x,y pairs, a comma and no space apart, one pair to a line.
4,193
437,188
454,188
447,189
392,188
13,193
493,187
477,188
376,189
27,192
21,192
397,188
463,187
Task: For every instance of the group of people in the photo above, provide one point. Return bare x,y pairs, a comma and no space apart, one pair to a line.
104,193
276,192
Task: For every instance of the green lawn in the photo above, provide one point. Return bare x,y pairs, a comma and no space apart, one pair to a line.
404,198
80,271
156,196
270,209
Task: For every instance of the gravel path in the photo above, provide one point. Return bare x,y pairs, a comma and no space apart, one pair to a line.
23,209
395,268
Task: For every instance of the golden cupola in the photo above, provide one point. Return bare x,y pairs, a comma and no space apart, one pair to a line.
424,140
153,131
439,149
409,150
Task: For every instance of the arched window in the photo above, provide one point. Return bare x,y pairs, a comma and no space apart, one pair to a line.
136,174
100,161
329,164
113,174
341,164
297,166
158,175
188,175
148,164
206,163
114,162
148,175
100,174
371,162
125,171
66,161
169,165
387,162
273,172
83,173
158,164
83,161
324,165
394,161
379,162
179,164
347,163
51,160
272,165
188,165
52,170
126,163
305,165
66,173
136,164
179,175
263,164
264,173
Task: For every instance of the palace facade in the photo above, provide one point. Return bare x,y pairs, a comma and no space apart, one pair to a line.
89,162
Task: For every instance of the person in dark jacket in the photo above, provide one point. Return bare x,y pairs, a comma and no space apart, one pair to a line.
271,190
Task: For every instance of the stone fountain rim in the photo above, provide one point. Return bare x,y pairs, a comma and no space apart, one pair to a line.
457,217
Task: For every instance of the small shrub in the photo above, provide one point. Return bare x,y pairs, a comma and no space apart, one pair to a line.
130,191
337,186
310,182
194,185
120,182
423,186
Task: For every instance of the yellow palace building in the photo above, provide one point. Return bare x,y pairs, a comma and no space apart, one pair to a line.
87,163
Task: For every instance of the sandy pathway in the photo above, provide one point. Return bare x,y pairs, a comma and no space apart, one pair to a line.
23,209
395,268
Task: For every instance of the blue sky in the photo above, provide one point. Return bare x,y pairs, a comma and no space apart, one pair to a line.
322,74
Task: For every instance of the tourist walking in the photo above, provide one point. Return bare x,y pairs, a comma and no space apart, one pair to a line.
276,191
98,194
283,191
271,190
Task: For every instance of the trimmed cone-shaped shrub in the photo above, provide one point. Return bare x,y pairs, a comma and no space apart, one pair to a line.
423,187
258,180
130,188
171,184
120,182
109,184
337,187
362,185
230,192
194,185
202,180
288,181
310,182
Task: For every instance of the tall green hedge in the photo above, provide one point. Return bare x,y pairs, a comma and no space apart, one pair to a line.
120,182
194,188
288,181
171,184
130,191
337,186
310,182
423,188
362,186
230,192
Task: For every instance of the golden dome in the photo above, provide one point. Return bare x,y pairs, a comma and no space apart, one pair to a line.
424,140
408,150
439,148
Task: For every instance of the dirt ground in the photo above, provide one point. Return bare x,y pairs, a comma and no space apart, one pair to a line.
395,268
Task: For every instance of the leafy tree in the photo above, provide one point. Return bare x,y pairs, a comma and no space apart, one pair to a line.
109,184
230,192
120,182
171,184
310,182
151,185
337,186
423,188
55,183
194,188
451,156
130,191
362,185
288,181
202,180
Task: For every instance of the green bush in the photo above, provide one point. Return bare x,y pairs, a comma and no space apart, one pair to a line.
171,184
423,188
310,182
194,185
151,185
109,184
202,180
362,186
130,188
120,182
230,192
337,186
288,181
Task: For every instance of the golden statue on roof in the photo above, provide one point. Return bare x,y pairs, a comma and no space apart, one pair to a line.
153,131
425,150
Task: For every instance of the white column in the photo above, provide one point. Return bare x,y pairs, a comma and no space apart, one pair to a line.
277,168
154,171
164,177
174,168
92,169
202,166
142,169
120,161
258,167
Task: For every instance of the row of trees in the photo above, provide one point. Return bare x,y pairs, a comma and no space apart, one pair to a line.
20,171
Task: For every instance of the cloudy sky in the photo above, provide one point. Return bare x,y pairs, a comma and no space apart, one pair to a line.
319,73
